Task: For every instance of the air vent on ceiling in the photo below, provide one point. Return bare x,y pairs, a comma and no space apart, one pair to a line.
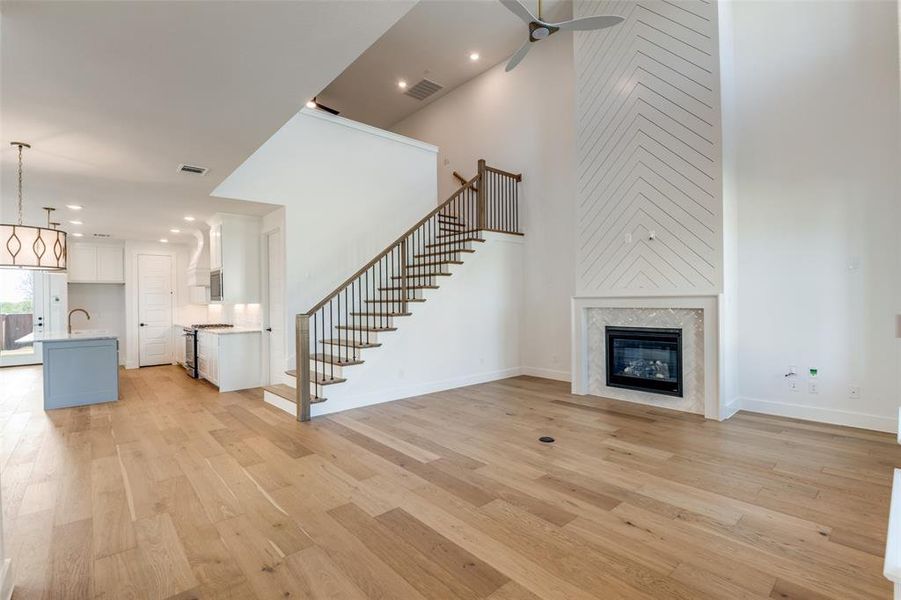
423,89
102,235
192,169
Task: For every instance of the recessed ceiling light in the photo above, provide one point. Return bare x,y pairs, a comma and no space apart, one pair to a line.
402,84
74,206
311,104
76,234
474,56
164,241
75,222
189,218
175,231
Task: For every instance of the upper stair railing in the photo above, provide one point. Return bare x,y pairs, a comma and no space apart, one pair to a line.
346,320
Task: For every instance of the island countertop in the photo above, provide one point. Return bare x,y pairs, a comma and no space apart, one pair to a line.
82,335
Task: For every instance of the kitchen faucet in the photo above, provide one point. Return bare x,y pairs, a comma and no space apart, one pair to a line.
75,310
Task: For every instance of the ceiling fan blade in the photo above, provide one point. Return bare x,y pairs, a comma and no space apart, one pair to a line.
589,23
518,56
516,7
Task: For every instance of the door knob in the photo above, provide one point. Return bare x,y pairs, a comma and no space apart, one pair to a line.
142,324
269,329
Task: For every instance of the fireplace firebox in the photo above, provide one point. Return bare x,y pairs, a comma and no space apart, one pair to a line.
645,358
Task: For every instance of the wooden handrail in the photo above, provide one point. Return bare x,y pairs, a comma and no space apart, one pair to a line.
392,245
516,176
462,180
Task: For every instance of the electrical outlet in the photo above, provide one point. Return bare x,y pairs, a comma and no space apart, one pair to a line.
854,392
793,385
812,387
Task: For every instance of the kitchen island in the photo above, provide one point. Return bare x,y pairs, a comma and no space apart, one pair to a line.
80,368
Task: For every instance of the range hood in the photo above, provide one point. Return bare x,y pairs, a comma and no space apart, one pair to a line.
199,264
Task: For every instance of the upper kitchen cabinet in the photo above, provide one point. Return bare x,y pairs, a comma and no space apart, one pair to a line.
234,259
96,263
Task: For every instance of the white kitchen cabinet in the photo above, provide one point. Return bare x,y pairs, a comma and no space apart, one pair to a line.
208,356
235,252
230,361
110,264
96,263
82,262
215,244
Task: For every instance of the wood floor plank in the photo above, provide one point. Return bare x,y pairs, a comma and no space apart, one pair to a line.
178,491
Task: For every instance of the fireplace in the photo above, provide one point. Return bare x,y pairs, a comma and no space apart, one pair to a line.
645,358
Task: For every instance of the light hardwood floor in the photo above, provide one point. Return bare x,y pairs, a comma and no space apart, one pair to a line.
178,491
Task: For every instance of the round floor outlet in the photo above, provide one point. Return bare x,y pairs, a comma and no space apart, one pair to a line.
546,439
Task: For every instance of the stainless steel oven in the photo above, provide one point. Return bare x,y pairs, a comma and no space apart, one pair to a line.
216,286
190,335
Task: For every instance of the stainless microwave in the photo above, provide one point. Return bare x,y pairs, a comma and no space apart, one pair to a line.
216,287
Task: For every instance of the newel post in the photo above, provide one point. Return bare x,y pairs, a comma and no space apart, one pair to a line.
302,354
481,197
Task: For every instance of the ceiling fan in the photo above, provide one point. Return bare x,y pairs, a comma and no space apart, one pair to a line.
539,29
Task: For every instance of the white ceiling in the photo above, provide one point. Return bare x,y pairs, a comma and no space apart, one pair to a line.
433,41
114,95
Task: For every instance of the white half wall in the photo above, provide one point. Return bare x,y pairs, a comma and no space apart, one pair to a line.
815,130
348,189
467,332
522,122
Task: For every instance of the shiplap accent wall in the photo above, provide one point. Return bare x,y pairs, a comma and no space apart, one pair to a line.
648,147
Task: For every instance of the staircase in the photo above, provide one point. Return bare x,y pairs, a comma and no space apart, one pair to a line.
334,334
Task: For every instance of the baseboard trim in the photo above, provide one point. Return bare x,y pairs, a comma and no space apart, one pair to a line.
547,373
819,414
6,579
391,394
732,407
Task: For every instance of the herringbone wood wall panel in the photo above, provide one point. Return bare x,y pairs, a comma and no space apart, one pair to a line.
648,123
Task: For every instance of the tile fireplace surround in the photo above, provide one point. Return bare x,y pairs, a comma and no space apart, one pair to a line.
697,317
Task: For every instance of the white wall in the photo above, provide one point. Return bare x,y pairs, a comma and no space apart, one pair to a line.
648,137
521,122
106,304
817,160
348,190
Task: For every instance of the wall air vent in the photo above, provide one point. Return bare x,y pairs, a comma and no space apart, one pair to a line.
192,169
423,89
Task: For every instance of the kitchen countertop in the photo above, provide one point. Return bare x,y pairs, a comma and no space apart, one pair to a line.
231,330
64,336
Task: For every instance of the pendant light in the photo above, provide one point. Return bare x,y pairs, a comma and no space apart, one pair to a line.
28,246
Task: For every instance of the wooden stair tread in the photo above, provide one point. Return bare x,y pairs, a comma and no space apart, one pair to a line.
453,242
409,287
334,359
444,252
320,378
422,276
455,233
349,343
289,393
375,314
365,328
394,301
428,263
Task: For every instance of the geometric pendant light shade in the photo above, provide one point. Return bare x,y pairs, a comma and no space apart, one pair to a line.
28,246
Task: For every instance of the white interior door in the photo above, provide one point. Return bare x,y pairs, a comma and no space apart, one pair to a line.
275,318
154,310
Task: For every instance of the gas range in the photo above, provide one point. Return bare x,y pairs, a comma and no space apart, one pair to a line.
190,335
